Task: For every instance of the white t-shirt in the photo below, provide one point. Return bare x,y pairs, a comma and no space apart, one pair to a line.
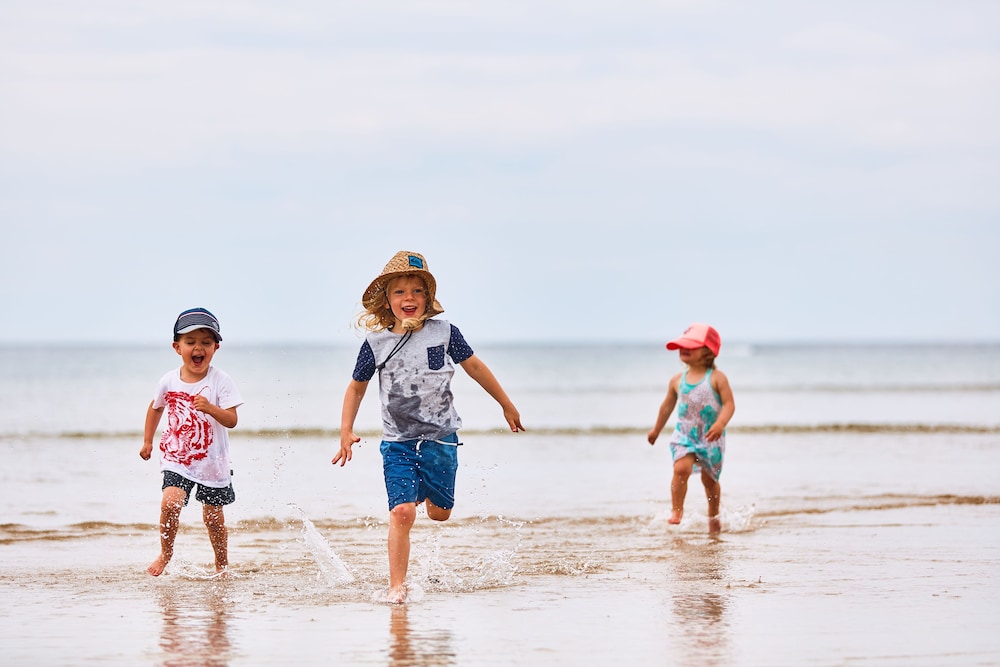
194,444
415,384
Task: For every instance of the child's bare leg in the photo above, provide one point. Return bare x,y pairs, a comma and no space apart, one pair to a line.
170,515
713,491
679,487
436,513
218,534
401,518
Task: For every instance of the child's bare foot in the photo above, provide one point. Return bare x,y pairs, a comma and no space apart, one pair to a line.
157,567
714,525
222,572
676,516
396,595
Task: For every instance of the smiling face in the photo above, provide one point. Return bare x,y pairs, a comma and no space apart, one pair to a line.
407,299
196,349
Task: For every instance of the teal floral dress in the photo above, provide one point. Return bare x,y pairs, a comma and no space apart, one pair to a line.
698,407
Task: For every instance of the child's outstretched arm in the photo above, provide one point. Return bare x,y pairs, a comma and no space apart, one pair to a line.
153,416
720,383
669,402
352,403
481,373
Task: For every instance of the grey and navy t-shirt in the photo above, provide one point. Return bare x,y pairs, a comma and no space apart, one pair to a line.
415,384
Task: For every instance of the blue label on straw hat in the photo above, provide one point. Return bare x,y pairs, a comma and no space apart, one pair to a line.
416,261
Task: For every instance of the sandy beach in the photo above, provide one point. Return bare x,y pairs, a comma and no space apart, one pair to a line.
906,575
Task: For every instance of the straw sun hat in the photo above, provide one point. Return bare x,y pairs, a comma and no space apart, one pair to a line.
404,263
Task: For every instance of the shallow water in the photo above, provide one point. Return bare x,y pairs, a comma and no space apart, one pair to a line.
826,558
861,516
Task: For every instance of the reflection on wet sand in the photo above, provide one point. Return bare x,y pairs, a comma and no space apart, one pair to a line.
700,599
409,647
195,629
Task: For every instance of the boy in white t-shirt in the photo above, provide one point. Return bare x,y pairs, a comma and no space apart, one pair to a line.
200,401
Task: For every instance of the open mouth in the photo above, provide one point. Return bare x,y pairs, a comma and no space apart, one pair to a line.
197,359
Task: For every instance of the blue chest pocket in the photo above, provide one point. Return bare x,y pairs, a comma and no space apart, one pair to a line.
435,357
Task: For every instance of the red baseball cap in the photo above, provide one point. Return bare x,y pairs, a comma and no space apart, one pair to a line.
695,336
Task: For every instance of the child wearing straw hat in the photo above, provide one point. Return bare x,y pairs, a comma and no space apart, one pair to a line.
414,357
706,406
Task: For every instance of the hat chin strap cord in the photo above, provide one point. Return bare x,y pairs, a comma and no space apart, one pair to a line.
396,348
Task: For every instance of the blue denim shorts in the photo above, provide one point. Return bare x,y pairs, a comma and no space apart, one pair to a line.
418,470
207,495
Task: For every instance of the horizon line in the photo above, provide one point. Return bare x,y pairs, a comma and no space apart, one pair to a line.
791,342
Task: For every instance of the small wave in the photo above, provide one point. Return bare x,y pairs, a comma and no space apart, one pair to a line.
14,532
591,431
827,505
503,524
865,428
762,428
642,389
986,387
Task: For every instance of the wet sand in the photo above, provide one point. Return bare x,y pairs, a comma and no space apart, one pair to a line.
551,559
911,585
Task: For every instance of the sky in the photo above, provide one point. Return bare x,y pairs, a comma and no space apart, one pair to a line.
572,170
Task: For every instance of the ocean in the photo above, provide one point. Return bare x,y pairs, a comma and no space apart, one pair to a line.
860,508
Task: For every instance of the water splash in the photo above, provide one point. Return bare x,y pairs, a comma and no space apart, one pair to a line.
492,569
737,520
188,570
498,568
414,595
330,565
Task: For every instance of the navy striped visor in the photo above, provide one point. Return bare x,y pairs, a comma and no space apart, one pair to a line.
197,318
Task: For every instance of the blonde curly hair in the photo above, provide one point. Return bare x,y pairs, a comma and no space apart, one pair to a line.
378,316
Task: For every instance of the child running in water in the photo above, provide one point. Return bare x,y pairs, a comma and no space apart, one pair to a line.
706,406
200,401
414,357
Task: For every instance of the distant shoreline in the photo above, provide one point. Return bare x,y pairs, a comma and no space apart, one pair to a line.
594,431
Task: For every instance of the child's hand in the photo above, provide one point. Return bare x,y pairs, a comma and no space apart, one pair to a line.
201,404
652,436
347,440
513,418
146,451
714,433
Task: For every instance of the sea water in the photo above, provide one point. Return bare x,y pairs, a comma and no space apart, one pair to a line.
94,391
861,507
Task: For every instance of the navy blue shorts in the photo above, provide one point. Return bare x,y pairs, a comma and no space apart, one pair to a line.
207,495
418,470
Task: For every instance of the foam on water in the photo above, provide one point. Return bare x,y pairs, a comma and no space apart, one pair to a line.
737,520
188,570
492,569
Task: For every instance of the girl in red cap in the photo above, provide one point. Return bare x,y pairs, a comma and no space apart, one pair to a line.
706,406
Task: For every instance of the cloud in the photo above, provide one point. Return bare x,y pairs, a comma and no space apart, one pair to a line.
182,96
556,161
